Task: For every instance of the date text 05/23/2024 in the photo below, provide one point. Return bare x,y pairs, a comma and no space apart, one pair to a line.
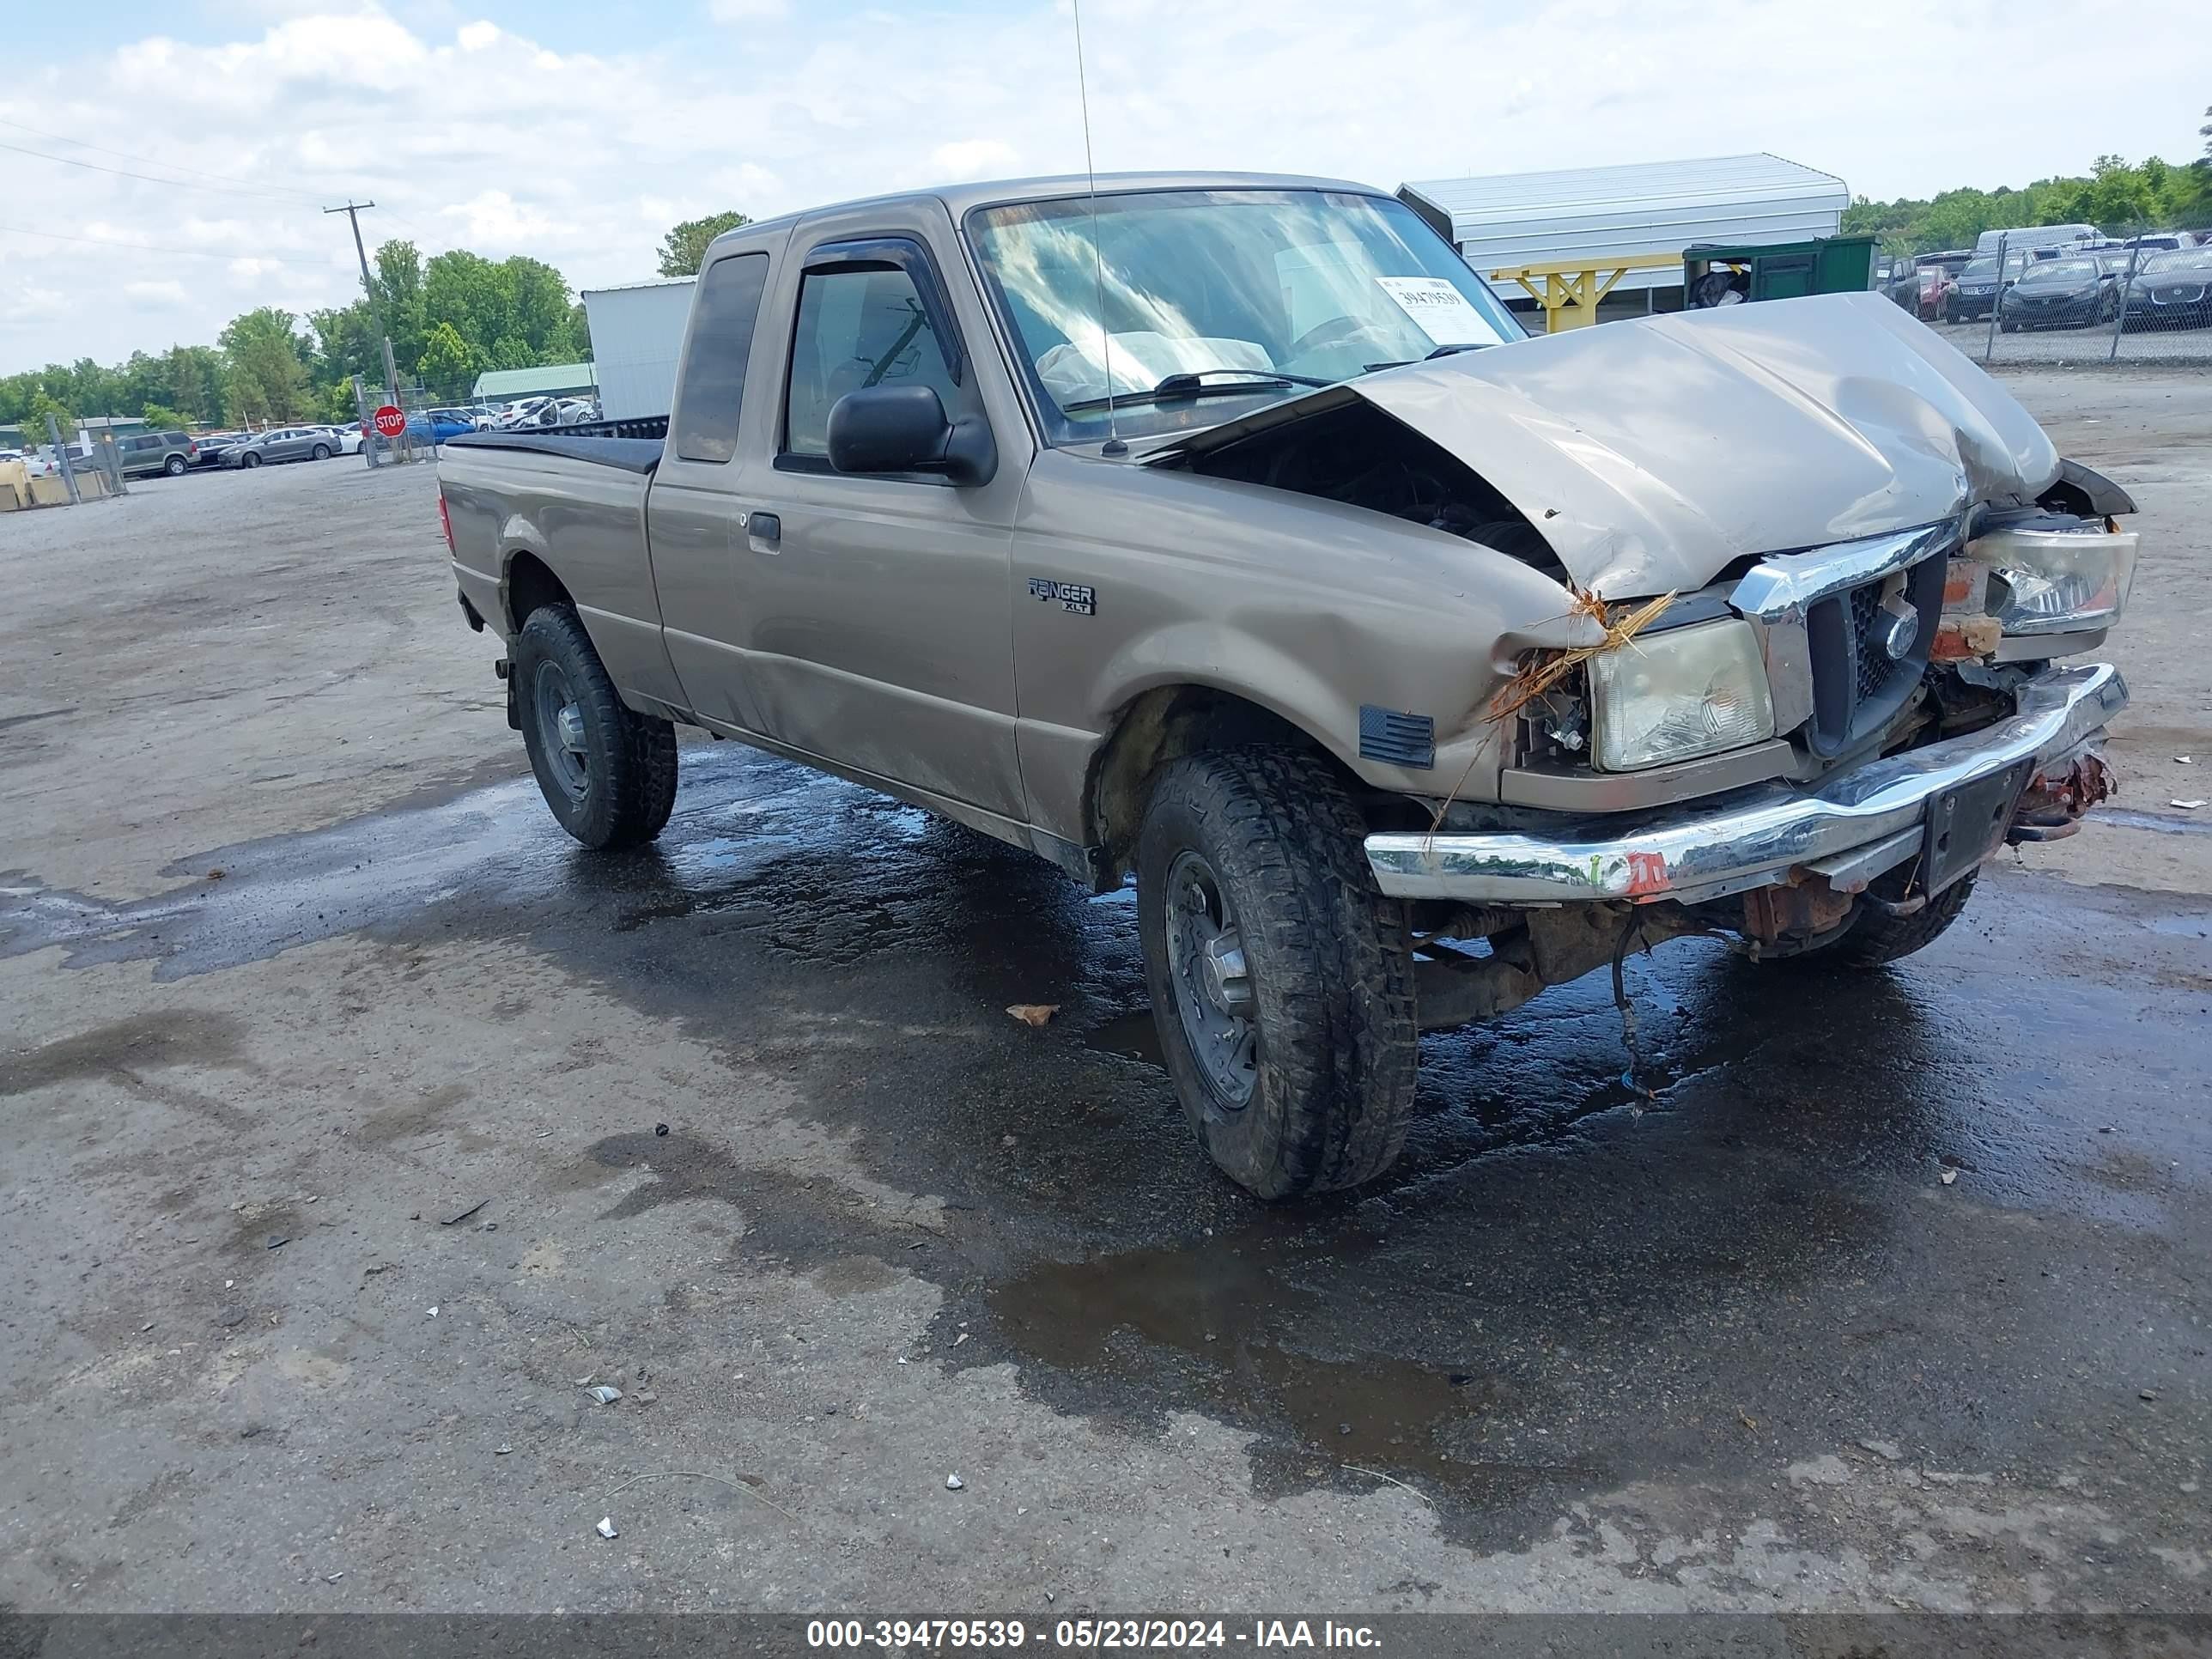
1089,1634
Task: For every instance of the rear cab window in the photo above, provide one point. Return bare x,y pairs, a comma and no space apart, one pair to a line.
710,395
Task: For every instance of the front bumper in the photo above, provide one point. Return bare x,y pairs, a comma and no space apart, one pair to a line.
1756,837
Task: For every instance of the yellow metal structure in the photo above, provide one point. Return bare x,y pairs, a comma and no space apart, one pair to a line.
1569,289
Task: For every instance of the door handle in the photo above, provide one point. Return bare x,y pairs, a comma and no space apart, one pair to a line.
764,526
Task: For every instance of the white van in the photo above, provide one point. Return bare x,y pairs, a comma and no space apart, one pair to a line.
2037,236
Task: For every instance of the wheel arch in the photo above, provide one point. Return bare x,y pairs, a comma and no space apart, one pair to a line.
527,583
1162,724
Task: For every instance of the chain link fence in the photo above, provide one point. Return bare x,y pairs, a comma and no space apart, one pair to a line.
2142,296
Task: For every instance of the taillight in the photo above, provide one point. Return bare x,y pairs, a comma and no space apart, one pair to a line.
446,523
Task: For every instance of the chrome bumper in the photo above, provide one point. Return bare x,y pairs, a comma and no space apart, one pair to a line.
1754,837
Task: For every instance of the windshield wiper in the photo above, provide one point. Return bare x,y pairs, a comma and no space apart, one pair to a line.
1441,351
1189,384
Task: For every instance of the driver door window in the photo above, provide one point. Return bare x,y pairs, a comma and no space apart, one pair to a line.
857,327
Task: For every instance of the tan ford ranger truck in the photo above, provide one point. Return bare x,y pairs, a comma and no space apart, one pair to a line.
1225,530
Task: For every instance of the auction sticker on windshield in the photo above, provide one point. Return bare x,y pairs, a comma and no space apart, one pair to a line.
1439,311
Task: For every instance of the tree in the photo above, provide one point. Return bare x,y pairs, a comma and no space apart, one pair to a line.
162,419
266,372
448,365
683,249
43,402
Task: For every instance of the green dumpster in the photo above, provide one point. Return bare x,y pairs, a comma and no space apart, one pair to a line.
1720,274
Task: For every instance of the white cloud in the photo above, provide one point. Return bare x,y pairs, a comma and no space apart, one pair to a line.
166,292
974,158
495,217
480,126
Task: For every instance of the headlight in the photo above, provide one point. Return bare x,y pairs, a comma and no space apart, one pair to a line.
2057,581
1679,694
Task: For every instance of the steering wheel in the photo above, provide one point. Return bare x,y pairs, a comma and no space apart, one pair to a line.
1337,330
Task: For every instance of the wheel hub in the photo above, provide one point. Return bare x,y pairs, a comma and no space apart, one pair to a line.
1228,983
561,735
1211,979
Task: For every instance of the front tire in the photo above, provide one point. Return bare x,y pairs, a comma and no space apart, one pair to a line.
250,460
322,452
607,772
174,466
1281,981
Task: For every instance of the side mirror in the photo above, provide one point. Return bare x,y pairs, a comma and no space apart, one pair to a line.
903,428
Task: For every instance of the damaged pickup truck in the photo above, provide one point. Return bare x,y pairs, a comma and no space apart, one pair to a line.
1228,532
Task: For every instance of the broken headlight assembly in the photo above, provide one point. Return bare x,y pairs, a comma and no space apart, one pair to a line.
1677,693
2056,581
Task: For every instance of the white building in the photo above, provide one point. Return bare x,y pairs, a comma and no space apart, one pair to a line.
1642,207
637,334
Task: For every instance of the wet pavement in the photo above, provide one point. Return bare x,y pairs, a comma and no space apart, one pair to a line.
1737,1343
1566,1287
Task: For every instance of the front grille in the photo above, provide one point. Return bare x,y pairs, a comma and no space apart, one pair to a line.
1856,685
1874,666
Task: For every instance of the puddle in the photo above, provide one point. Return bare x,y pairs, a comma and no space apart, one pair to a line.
1133,1036
1230,1313
2161,822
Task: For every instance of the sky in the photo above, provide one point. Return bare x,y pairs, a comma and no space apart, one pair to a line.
578,133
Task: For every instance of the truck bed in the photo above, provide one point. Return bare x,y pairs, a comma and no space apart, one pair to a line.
632,451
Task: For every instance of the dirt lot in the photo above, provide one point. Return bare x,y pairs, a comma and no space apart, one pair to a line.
296,974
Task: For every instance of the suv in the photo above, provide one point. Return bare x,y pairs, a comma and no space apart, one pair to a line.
143,453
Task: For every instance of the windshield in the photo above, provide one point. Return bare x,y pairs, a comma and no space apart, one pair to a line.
2189,258
2061,273
1214,299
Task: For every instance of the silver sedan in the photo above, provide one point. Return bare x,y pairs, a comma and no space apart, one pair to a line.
288,443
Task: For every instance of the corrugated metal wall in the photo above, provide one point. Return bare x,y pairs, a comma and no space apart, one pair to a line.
637,334
1644,207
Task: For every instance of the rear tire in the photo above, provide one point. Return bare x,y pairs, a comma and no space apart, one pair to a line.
1258,853
607,772
322,452
174,466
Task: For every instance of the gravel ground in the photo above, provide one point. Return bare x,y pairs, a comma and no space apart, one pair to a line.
296,974
2082,347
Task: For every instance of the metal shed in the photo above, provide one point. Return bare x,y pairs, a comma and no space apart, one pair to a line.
1511,219
557,380
637,332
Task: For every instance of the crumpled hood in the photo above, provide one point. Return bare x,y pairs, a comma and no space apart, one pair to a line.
1652,454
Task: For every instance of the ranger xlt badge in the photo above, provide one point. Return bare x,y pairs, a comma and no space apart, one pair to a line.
1073,596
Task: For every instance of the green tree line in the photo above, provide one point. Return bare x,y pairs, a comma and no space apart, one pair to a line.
451,318
2116,196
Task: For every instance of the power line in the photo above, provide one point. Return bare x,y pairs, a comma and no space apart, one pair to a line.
153,247
177,167
125,172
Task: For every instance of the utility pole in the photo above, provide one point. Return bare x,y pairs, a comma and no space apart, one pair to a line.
352,211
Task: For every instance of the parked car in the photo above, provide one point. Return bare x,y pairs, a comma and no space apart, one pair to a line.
1898,281
1283,595
141,454
576,411
2061,294
437,425
1952,261
1936,285
212,447
291,443
1974,295
522,413
2171,290
2026,238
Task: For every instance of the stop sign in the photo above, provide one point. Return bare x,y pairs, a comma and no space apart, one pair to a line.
390,420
